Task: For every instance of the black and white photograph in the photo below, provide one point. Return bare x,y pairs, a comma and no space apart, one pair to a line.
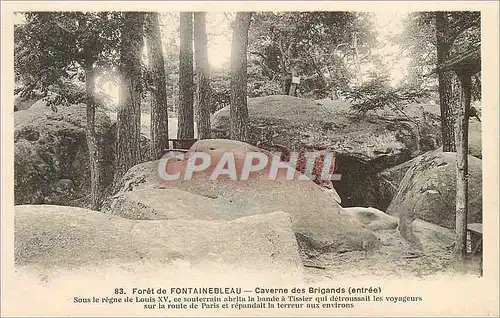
248,162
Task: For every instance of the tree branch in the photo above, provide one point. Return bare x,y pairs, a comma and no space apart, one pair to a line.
457,28
469,61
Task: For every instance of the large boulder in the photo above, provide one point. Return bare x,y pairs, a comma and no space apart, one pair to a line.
141,176
57,237
51,159
428,190
319,222
146,175
23,103
373,219
364,145
167,204
386,183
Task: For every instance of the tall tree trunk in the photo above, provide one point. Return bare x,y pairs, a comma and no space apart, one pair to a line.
92,143
293,86
185,113
128,126
359,76
202,77
461,137
445,80
158,88
284,86
238,108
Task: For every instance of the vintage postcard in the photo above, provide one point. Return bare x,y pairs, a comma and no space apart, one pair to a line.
288,158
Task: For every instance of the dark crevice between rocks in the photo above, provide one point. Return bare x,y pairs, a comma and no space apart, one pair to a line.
27,133
351,187
360,181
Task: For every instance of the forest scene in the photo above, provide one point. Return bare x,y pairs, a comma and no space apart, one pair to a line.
106,101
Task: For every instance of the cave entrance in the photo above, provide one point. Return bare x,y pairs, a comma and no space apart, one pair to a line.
358,185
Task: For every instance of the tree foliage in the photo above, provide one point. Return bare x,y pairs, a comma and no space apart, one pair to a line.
316,44
418,41
58,55
376,94
49,52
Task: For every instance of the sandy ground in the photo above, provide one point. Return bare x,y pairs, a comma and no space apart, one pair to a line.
392,260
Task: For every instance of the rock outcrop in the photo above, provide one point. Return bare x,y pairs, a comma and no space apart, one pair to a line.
386,183
51,160
364,146
319,222
428,190
373,219
167,204
23,103
53,237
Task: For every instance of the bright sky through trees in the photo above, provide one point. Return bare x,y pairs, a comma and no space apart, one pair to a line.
219,42
391,24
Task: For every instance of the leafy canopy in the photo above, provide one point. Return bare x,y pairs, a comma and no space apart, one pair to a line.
53,49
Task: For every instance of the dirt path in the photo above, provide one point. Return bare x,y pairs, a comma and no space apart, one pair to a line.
392,259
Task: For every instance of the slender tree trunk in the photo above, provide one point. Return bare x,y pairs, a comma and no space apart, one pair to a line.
461,137
284,86
92,143
185,113
293,86
445,80
202,77
159,109
359,76
238,107
128,126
